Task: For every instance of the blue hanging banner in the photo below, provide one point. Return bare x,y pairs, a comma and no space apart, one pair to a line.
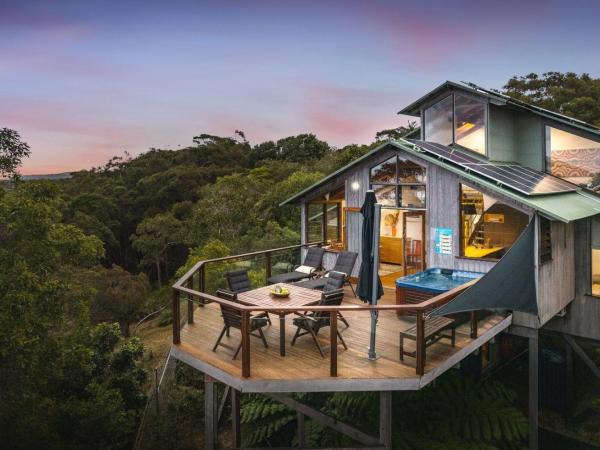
443,241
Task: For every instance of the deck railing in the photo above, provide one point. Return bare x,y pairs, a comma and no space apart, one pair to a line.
185,286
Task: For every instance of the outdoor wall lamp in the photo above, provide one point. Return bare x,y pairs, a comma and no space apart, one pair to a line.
355,185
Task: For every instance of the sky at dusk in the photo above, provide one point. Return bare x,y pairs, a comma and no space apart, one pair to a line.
82,81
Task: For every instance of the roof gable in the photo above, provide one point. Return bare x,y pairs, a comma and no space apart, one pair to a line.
499,99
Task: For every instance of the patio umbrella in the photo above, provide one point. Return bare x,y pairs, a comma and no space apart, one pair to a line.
369,287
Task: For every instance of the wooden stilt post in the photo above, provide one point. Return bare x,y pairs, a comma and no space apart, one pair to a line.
301,429
533,392
474,325
420,343
236,435
210,413
385,419
176,319
190,302
570,383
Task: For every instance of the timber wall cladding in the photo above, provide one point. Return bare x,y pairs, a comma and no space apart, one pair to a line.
583,314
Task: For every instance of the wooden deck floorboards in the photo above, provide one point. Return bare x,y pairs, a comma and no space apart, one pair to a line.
303,361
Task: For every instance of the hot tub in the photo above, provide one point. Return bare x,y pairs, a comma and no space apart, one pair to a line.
418,287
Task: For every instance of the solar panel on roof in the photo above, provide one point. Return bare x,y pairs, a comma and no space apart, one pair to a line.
514,176
521,178
443,152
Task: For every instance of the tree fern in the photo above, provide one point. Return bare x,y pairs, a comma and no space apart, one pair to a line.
263,418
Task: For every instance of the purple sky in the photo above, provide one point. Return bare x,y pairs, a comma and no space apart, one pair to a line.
85,80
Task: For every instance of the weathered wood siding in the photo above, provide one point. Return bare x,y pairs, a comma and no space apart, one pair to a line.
556,278
583,314
556,288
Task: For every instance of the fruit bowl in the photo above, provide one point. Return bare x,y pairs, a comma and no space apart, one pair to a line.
280,292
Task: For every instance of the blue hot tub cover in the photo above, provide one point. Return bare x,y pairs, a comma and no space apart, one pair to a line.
436,280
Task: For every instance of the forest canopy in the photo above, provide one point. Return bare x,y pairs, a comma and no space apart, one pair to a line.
84,258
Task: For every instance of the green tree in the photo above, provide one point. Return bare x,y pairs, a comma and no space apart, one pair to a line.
12,152
56,369
152,239
301,148
119,295
566,93
395,133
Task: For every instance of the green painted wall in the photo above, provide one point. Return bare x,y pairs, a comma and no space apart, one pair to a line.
501,134
515,136
529,146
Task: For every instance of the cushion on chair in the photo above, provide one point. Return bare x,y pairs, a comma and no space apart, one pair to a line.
335,281
305,269
238,280
289,277
314,257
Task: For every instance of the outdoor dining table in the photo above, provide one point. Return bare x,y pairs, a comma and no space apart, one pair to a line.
299,297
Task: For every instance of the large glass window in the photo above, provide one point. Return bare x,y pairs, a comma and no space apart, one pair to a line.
438,122
595,281
457,119
469,123
573,158
399,183
488,226
324,219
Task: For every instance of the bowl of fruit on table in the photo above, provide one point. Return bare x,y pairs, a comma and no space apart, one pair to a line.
280,292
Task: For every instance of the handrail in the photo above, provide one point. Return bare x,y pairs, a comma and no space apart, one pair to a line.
427,305
184,286
179,283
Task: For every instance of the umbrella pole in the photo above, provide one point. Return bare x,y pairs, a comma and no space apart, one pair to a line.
375,314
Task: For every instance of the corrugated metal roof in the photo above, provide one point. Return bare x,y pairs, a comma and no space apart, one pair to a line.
414,108
565,207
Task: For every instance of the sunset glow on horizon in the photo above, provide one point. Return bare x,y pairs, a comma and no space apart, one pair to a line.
84,81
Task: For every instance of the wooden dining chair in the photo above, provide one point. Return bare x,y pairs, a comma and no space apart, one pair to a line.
232,318
313,322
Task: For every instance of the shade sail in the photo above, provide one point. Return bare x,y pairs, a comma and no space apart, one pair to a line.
509,285
368,265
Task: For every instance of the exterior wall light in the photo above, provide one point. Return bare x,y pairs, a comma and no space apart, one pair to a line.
355,185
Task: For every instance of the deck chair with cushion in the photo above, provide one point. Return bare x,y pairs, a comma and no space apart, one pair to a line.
312,262
232,318
238,282
311,323
343,264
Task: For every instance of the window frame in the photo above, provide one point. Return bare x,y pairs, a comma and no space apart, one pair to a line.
461,251
591,261
398,185
324,220
485,119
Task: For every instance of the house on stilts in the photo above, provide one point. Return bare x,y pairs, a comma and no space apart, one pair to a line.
490,228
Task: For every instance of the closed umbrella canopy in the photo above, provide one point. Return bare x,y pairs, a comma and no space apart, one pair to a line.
368,266
509,285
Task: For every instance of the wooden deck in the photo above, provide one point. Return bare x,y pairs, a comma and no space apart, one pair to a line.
303,369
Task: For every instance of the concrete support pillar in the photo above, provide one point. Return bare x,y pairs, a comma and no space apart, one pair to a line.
533,392
385,419
211,413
